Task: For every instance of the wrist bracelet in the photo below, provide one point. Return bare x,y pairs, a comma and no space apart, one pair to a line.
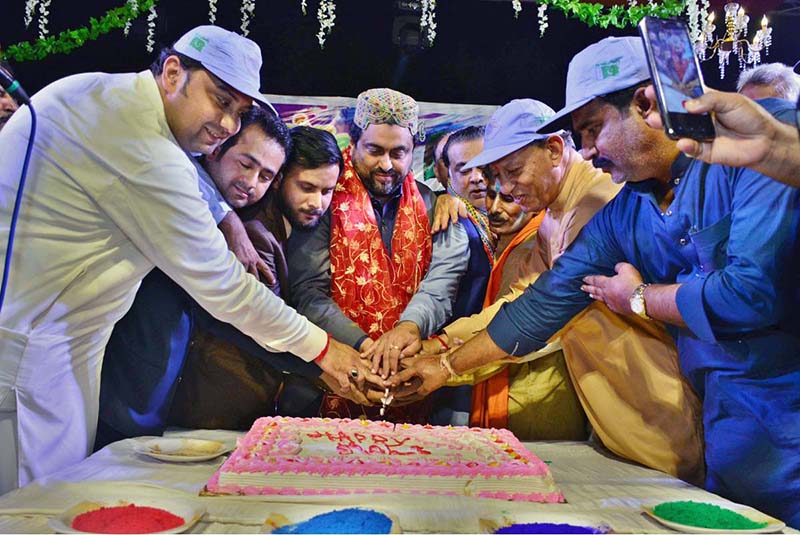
444,362
324,350
441,341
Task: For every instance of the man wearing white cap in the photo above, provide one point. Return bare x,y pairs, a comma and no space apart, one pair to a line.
542,399
112,192
712,251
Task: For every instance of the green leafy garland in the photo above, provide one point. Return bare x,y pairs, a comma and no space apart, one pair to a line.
618,16
67,41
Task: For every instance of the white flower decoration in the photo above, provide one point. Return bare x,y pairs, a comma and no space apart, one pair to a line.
248,9
542,19
212,11
43,12
517,5
151,28
427,21
134,5
326,14
30,9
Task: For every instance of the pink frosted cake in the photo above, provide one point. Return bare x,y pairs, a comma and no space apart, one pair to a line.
322,456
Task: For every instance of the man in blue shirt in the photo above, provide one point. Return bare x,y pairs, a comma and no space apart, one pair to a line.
710,250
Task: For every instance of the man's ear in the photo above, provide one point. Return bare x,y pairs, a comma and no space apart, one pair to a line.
172,75
555,149
276,182
646,106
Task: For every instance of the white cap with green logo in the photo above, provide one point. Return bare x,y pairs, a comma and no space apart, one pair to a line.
234,59
610,65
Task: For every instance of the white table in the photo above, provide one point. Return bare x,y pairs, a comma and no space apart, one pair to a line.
599,488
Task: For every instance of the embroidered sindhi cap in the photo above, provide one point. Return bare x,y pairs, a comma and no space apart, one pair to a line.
234,59
610,65
512,127
387,106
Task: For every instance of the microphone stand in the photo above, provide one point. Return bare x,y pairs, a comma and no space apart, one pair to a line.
12,86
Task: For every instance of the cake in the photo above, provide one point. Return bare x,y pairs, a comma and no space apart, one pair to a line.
322,456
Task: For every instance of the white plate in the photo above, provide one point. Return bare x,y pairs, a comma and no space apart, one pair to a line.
773,524
188,511
182,450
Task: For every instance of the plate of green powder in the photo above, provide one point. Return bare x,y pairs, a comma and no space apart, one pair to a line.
698,517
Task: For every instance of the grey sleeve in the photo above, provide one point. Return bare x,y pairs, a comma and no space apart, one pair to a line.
432,305
309,262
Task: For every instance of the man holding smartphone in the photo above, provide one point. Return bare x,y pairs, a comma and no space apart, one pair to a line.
711,251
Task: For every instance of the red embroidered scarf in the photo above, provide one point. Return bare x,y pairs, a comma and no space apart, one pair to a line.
371,288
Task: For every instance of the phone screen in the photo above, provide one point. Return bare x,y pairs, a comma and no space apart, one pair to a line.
676,75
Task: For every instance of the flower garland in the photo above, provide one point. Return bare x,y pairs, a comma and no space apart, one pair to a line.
43,12
151,29
126,30
619,16
67,41
427,21
30,9
248,8
212,11
543,19
326,14
517,6
303,7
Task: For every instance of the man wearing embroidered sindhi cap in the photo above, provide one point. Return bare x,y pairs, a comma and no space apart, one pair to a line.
712,251
370,273
111,193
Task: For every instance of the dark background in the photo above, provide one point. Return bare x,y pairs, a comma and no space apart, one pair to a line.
482,54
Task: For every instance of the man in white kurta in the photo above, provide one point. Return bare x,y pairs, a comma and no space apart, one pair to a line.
111,192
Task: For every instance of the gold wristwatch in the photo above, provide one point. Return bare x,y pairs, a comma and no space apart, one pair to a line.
638,306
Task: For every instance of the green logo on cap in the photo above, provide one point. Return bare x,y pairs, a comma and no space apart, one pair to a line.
609,69
198,42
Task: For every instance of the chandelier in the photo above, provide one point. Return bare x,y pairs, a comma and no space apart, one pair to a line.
734,41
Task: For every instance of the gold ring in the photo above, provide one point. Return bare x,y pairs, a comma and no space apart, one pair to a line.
394,347
354,373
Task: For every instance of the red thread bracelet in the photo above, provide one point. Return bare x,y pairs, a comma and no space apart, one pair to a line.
324,350
441,341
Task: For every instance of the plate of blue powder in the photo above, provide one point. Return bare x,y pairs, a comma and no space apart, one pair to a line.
351,521
549,527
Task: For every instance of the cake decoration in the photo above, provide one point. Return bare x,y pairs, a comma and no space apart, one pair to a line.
322,456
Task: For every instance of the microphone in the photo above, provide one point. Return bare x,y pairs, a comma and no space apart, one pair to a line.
12,86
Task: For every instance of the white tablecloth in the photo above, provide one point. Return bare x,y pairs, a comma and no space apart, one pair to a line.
599,488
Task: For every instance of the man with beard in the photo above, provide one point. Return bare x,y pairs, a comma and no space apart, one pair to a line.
229,380
7,106
710,250
371,274
147,351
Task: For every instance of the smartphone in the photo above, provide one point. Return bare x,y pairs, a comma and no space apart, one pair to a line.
676,77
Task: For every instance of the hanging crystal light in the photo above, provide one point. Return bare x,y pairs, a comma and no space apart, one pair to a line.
734,41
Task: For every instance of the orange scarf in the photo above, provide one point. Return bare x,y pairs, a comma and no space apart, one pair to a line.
490,397
371,288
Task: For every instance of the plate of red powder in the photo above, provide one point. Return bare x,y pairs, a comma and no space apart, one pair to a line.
123,516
